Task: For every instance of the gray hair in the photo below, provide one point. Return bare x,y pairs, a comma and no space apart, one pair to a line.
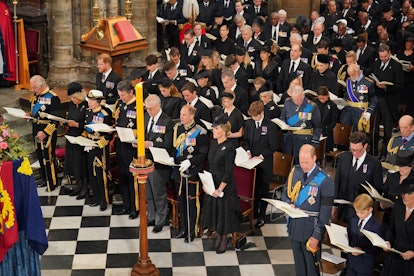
152,100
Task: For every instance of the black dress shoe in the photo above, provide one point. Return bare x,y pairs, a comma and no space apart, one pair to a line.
41,184
133,215
74,193
151,223
180,235
102,207
79,197
259,223
382,158
121,212
157,229
52,188
188,240
93,204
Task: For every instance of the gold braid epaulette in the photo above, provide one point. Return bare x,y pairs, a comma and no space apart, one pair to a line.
392,150
293,193
313,61
341,73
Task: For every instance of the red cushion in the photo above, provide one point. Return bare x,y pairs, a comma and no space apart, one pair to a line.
244,179
60,153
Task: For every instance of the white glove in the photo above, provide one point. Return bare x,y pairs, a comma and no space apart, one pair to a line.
366,116
87,149
185,165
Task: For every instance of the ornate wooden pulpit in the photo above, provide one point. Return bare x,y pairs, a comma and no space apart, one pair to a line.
115,36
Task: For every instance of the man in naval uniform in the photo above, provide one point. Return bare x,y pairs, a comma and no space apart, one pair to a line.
43,130
191,147
106,79
360,96
405,140
310,189
300,112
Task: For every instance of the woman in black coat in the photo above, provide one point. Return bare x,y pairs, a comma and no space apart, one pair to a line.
171,99
221,207
75,156
267,68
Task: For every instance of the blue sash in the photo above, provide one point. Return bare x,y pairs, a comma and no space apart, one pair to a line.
38,105
292,121
350,91
181,148
304,193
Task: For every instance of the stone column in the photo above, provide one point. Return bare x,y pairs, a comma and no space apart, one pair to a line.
143,19
112,8
62,67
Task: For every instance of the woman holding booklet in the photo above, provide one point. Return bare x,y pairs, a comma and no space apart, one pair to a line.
221,208
75,157
404,160
401,232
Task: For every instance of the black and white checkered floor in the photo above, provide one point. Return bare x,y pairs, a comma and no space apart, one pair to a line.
86,241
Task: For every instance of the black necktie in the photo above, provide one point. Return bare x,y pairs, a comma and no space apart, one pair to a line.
360,224
355,166
274,35
382,66
305,176
151,125
257,125
404,141
292,67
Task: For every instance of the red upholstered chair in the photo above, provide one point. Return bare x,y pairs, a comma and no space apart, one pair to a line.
172,198
33,48
245,182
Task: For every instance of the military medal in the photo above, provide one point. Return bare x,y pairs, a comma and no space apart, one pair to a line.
364,168
190,151
361,97
313,191
158,140
311,200
303,125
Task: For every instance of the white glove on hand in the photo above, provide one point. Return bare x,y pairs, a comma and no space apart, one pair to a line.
185,165
366,116
87,149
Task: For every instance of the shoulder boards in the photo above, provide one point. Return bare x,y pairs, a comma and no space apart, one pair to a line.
53,93
104,112
202,129
310,102
177,125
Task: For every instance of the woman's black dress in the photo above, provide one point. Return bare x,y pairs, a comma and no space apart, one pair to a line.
225,47
222,214
236,120
75,156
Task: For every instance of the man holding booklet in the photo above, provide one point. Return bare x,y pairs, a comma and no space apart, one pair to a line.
310,189
158,126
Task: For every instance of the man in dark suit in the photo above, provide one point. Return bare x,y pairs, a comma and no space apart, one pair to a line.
152,76
365,54
365,25
306,55
386,69
260,140
174,13
158,126
226,7
300,68
190,51
313,39
240,75
274,31
170,70
235,27
189,92
182,66
347,39
229,83
355,167
239,10
247,41
206,12
201,40
331,17
348,13
106,78
310,189
258,10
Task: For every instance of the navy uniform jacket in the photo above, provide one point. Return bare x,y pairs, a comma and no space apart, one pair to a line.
108,87
271,110
47,102
362,91
160,135
366,59
196,151
319,202
396,143
312,121
392,73
363,263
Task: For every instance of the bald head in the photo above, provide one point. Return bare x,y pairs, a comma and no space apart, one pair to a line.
406,124
307,157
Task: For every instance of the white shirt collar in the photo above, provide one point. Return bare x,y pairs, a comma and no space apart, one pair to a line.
365,220
360,160
193,102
